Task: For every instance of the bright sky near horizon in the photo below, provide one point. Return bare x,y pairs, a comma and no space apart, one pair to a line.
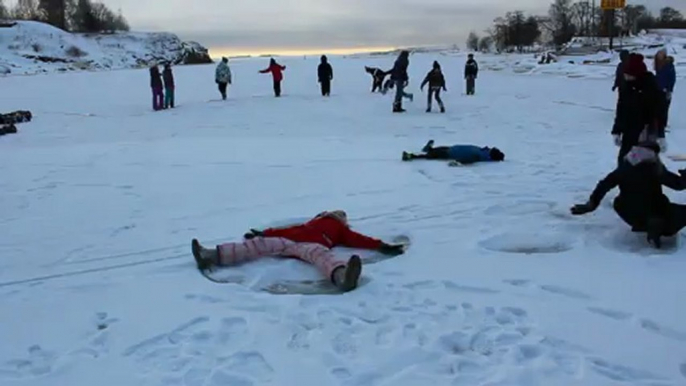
279,26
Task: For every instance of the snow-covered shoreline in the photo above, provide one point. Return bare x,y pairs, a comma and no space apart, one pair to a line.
28,48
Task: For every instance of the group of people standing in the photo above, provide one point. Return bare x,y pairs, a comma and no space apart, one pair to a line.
162,86
435,79
639,131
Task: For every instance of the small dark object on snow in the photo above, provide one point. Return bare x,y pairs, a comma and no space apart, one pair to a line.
8,129
15,117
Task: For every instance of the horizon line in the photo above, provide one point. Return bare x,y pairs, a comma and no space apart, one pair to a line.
218,53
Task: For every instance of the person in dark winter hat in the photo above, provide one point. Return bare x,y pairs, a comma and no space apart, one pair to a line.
459,154
401,79
471,72
641,202
156,86
310,242
325,75
277,74
222,76
619,72
436,82
378,76
636,119
168,77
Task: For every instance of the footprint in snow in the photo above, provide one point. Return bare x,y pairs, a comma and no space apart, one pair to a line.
469,289
528,243
37,363
612,314
666,332
567,292
621,373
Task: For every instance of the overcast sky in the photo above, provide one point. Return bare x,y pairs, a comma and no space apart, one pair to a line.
259,25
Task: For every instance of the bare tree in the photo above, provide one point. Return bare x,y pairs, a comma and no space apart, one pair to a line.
582,17
630,17
55,12
485,44
3,10
561,18
473,41
26,10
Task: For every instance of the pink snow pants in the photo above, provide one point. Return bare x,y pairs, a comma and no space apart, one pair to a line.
318,255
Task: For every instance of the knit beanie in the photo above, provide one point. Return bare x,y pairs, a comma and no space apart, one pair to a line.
635,66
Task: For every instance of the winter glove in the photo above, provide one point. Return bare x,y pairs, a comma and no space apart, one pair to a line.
663,144
252,234
618,139
580,209
391,250
614,88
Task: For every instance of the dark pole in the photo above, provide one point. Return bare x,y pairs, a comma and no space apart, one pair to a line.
610,29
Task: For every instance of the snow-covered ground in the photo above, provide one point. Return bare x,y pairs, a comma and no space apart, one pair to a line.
100,198
31,47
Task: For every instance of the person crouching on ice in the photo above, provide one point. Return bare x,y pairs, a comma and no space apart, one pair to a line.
641,203
463,154
310,242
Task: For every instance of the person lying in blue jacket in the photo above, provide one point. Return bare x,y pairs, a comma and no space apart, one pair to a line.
463,154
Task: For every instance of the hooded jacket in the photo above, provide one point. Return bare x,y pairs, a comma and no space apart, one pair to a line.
325,71
640,178
329,229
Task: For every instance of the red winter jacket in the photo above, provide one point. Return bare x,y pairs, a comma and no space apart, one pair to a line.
326,231
276,70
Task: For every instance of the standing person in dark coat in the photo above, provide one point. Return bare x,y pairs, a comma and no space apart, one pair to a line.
325,75
156,86
378,76
277,73
666,80
641,203
471,71
436,82
637,113
168,77
401,79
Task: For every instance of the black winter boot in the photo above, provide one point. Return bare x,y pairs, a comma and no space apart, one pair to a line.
346,278
429,145
204,258
655,231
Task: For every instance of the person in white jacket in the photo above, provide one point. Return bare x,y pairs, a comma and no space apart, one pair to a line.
223,76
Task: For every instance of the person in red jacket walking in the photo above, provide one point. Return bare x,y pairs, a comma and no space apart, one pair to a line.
277,73
310,242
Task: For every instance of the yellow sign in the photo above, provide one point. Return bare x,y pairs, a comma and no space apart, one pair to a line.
612,4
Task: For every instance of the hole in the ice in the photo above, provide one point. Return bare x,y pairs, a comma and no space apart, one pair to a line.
528,244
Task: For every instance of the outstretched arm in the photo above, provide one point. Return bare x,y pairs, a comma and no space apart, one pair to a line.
608,183
673,181
352,239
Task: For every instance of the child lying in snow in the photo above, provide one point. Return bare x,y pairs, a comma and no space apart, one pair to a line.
310,242
458,154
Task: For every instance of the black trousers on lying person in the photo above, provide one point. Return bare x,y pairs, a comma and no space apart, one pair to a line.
672,216
437,153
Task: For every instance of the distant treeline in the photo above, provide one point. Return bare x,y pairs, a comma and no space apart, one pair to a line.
566,19
69,15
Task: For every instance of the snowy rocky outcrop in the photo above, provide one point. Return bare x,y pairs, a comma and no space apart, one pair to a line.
28,47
